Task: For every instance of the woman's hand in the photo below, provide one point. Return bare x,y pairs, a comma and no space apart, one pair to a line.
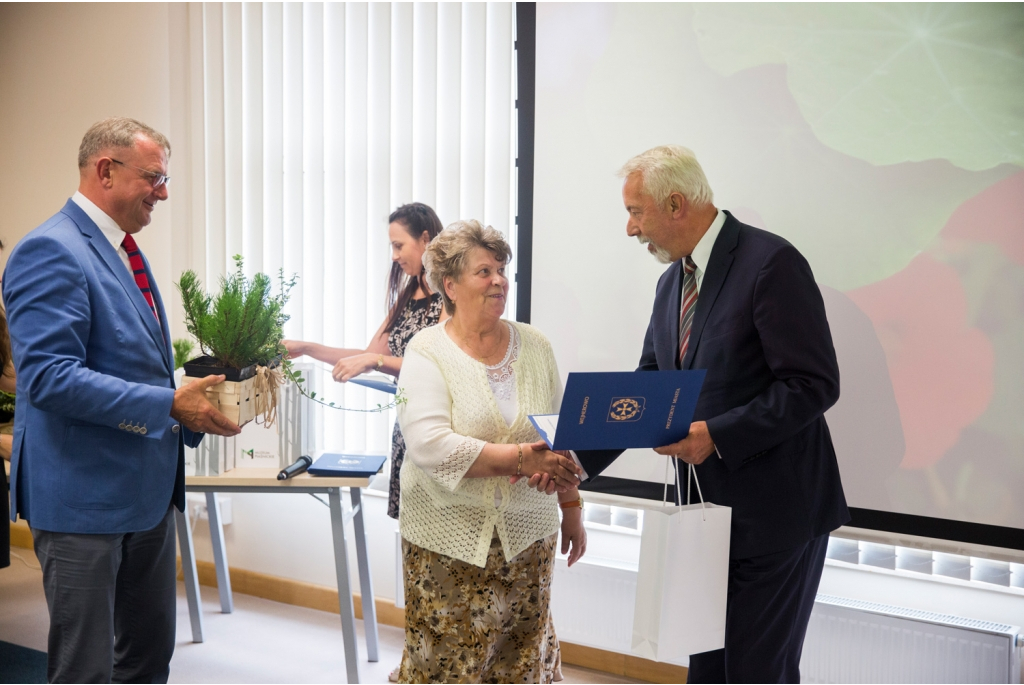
538,460
296,348
574,533
348,368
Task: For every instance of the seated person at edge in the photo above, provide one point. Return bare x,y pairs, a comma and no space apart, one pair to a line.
412,306
478,543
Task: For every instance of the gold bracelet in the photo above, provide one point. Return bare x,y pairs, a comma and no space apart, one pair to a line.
519,469
380,361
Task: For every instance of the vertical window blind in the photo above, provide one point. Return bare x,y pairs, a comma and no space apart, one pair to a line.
317,120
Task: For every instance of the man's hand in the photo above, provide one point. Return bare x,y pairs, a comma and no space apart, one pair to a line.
195,412
694,448
545,482
540,482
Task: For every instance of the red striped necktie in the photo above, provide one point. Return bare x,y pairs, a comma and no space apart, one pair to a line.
689,305
139,271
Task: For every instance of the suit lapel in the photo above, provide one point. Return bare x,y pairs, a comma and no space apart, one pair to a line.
158,301
109,255
718,268
671,322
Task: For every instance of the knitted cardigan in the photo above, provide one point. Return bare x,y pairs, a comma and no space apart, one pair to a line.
449,415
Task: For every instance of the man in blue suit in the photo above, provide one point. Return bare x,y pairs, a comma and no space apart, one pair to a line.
98,457
742,304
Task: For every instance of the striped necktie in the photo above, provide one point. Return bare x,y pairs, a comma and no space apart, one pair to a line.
139,271
689,305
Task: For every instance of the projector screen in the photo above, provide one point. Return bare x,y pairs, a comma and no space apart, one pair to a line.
886,142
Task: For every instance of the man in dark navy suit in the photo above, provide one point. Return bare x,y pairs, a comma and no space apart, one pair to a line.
742,304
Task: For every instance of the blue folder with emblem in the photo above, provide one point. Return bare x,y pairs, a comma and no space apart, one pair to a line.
347,465
622,410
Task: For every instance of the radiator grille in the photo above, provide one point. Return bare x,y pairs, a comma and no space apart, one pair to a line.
853,641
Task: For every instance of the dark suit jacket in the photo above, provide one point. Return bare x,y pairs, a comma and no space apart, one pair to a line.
760,331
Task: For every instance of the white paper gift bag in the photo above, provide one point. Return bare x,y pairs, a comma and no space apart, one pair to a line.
682,581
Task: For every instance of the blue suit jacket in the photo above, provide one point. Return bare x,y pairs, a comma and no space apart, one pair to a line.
95,447
760,332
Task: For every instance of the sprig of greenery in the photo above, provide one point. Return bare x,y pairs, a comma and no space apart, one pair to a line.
6,402
296,377
244,323
182,352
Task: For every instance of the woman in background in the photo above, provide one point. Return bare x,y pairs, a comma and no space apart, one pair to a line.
411,305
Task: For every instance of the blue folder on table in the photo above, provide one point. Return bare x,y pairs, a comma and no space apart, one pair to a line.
347,465
622,410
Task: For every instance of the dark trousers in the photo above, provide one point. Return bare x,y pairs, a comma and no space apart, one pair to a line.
112,604
769,605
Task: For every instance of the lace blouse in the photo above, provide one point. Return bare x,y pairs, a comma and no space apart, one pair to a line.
502,378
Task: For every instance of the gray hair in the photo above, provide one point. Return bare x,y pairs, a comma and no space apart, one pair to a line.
119,133
446,254
668,169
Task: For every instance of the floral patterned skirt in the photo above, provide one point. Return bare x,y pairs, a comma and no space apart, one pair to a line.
466,624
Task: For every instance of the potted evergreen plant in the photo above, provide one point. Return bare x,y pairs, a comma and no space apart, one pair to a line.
239,332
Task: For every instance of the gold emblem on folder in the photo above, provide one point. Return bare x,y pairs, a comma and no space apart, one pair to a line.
626,409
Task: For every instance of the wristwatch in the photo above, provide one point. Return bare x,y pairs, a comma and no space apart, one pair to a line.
380,361
574,503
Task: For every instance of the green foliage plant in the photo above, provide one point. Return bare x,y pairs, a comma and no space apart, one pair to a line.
295,376
241,325
183,349
244,325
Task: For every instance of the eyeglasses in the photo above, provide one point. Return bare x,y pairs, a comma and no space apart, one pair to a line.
156,179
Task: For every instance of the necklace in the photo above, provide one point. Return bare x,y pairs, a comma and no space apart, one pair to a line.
468,349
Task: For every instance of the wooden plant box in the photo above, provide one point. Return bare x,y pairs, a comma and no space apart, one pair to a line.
235,399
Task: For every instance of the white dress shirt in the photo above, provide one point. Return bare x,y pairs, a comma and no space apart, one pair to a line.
702,252
107,225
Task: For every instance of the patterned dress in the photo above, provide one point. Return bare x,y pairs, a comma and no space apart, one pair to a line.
418,314
466,624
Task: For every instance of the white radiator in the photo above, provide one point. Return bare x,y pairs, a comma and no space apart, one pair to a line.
850,641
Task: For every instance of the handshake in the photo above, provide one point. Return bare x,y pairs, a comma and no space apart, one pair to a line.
547,471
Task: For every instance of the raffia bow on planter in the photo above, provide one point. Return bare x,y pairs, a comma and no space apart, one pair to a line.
266,383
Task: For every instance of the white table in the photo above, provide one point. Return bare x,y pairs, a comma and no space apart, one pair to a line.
264,480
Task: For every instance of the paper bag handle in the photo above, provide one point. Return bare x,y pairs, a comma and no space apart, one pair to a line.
679,489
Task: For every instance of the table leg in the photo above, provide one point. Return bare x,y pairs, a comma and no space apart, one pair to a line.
220,554
365,580
188,568
348,615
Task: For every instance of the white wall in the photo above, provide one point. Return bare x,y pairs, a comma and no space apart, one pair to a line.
64,66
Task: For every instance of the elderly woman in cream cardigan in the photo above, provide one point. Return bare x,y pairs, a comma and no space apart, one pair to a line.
478,542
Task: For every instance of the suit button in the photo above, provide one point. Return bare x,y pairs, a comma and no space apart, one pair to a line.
142,430
121,425
175,428
135,429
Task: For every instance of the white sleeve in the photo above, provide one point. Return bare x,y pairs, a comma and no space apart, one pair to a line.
556,406
426,421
